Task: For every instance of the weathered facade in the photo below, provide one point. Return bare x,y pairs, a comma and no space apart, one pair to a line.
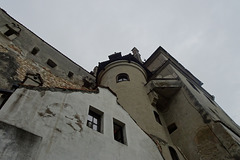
57,122
52,108
196,124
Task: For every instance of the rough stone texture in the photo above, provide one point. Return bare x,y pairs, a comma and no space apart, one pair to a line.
229,140
209,147
14,68
17,144
16,60
50,80
8,67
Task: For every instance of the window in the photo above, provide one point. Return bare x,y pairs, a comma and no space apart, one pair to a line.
94,119
171,128
35,50
119,131
70,74
173,153
51,63
122,77
11,31
4,95
157,117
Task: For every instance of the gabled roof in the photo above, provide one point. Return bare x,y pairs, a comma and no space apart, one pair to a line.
174,62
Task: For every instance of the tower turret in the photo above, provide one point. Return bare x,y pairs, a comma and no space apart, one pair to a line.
127,77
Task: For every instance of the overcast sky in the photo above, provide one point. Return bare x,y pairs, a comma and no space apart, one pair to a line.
203,35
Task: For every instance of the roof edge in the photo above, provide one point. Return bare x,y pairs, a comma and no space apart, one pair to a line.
178,65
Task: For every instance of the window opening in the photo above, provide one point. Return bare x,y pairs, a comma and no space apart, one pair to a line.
70,74
173,153
157,117
118,130
4,95
172,128
122,77
35,50
94,119
11,30
51,63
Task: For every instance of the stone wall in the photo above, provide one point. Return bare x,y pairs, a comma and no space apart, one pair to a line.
22,52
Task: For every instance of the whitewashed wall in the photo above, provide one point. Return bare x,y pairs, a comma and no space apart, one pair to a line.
60,119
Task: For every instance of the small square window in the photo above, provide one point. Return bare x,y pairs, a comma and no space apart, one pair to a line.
94,119
70,74
51,63
119,131
35,50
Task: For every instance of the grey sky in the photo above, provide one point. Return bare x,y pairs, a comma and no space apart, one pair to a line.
202,35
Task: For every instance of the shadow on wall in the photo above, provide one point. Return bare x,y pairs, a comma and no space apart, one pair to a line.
17,144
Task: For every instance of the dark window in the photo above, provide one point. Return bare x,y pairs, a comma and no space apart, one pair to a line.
35,50
94,119
173,153
9,32
51,63
118,130
157,117
4,95
70,74
172,128
122,77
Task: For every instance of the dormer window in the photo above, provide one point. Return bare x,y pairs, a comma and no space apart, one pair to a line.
122,77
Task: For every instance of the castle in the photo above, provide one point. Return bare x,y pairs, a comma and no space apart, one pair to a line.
126,109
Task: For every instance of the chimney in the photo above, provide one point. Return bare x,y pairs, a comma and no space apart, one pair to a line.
136,54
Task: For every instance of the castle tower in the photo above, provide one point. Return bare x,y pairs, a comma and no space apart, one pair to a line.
127,77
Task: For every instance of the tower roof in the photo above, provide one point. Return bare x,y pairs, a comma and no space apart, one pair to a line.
118,57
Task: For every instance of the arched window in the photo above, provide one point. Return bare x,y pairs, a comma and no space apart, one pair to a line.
122,77
173,153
